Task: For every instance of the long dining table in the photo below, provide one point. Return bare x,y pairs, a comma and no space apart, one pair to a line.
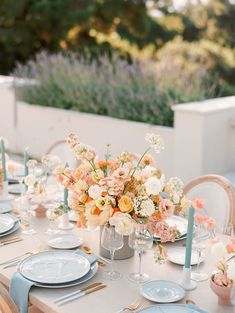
117,294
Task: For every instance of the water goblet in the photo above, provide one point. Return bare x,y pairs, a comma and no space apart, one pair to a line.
200,237
111,241
140,240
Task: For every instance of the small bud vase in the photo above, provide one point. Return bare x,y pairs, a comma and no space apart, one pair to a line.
222,292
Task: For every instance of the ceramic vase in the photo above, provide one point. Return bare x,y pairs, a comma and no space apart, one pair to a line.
125,252
222,292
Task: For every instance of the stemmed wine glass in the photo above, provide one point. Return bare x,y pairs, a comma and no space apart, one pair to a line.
201,235
52,216
140,240
111,241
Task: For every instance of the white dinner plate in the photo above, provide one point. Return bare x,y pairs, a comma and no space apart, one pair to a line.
5,208
6,223
14,189
72,216
89,275
162,291
65,241
177,255
6,198
54,267
180,223
172,308
15,227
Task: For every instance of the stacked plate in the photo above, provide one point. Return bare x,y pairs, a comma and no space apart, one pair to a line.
8,224
172,308
181,225
57,269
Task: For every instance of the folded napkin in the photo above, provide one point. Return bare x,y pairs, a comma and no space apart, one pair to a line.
193,307
19,291
20,286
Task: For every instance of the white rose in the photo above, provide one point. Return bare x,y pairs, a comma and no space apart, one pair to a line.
95,191
218,251
30,180
231,271
147,208
153,186
124,224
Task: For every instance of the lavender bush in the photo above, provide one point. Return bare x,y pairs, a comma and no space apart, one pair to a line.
140,91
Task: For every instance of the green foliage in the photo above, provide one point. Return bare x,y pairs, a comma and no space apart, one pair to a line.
140,91
218,64
29,26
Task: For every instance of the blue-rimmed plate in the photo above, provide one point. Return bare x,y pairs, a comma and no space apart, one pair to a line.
172,308
162,291
93,270
5,208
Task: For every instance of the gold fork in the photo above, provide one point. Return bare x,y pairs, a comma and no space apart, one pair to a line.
132,307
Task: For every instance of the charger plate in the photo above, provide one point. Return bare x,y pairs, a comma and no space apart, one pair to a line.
6,223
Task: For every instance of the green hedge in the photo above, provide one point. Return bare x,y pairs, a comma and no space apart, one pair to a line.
139,91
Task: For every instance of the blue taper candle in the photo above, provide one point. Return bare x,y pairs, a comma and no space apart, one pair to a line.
3,151
189,237
26,158
66,192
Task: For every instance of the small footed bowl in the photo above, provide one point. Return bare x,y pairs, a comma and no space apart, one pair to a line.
223,293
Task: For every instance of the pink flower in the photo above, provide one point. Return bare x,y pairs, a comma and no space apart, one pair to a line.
230,248
198,204
166,207
165,232
121,173
200,219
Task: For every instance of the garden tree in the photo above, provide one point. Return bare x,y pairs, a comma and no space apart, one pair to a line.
28,26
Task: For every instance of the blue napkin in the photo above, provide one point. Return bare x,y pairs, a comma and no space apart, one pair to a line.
20,286
19,291
193,307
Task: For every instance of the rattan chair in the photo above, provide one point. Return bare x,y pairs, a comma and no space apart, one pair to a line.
7,305
219,195
62,150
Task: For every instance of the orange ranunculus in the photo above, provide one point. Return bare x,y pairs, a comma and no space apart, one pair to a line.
115,210
125,204
102,163
83,197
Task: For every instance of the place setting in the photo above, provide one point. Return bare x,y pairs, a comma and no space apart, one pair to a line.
54,270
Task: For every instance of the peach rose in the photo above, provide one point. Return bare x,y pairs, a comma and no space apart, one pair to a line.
125,204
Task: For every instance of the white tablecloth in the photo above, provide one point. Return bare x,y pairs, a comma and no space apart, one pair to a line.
118,293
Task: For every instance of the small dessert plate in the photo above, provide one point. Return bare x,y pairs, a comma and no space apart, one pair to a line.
177,255
65,241
162,291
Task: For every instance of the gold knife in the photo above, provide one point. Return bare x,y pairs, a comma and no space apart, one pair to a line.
77,292
10,241
12,238
81,294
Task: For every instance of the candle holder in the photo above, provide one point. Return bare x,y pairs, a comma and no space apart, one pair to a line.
5,196
64,222
186,282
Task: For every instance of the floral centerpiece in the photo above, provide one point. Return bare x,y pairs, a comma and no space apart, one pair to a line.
123,190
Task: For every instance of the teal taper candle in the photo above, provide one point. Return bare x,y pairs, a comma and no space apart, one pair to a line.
66,192
3,151
26,158
189,237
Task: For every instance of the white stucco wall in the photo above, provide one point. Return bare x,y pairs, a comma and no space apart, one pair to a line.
201,142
